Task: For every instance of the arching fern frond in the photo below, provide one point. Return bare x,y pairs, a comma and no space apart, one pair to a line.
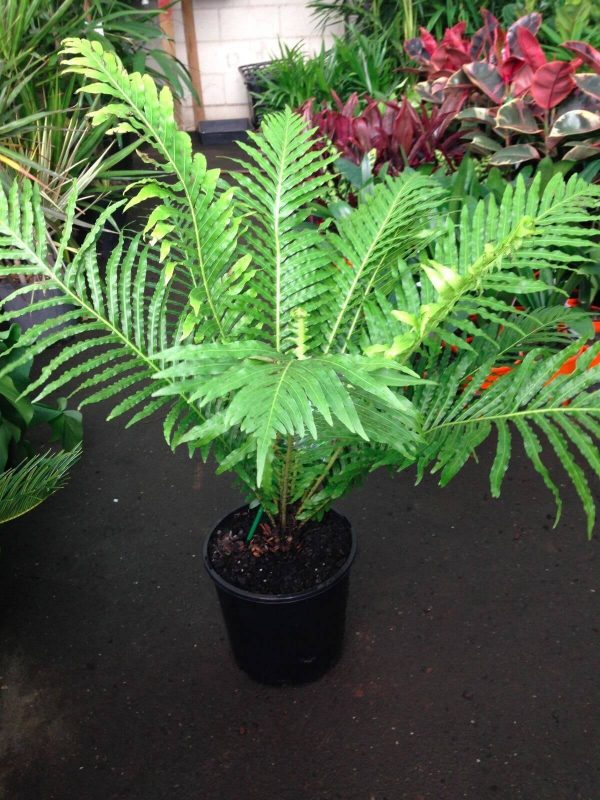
120,320
194,220
494,364
559,212
483,261
533,399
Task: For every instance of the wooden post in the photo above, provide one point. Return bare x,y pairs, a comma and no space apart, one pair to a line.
166,25
191,46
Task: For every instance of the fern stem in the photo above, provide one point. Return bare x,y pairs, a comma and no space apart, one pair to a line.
511,415
334,457
357,314
287,466
254,525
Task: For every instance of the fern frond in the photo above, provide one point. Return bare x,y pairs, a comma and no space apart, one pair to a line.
252,388
534,399
22,212
194,220
560,237
561,205
109,315
493,251
281,182
391,224
551,328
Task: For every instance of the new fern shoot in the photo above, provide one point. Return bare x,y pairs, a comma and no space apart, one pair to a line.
302,357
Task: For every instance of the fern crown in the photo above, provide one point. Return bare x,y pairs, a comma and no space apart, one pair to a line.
302,355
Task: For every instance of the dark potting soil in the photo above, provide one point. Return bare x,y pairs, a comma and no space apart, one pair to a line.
270,564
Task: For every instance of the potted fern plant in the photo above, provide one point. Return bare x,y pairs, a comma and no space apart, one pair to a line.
304,357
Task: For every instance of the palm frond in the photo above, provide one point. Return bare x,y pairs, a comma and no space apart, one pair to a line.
26,486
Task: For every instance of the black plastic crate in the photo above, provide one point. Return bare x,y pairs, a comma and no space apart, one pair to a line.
249,73
223,131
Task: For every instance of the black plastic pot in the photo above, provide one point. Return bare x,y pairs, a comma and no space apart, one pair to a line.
285,639
250,73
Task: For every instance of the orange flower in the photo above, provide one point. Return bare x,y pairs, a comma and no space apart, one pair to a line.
497,372
569,366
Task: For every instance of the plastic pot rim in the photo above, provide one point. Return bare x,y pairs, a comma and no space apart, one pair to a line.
272,599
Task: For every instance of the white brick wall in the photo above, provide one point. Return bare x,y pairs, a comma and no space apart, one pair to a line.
231,33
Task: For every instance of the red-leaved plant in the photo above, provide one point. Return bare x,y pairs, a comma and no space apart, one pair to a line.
504,80
396,134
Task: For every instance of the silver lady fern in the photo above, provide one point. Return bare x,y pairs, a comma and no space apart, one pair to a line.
306,356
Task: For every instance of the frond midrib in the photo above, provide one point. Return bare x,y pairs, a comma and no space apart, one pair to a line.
515,414
276,220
